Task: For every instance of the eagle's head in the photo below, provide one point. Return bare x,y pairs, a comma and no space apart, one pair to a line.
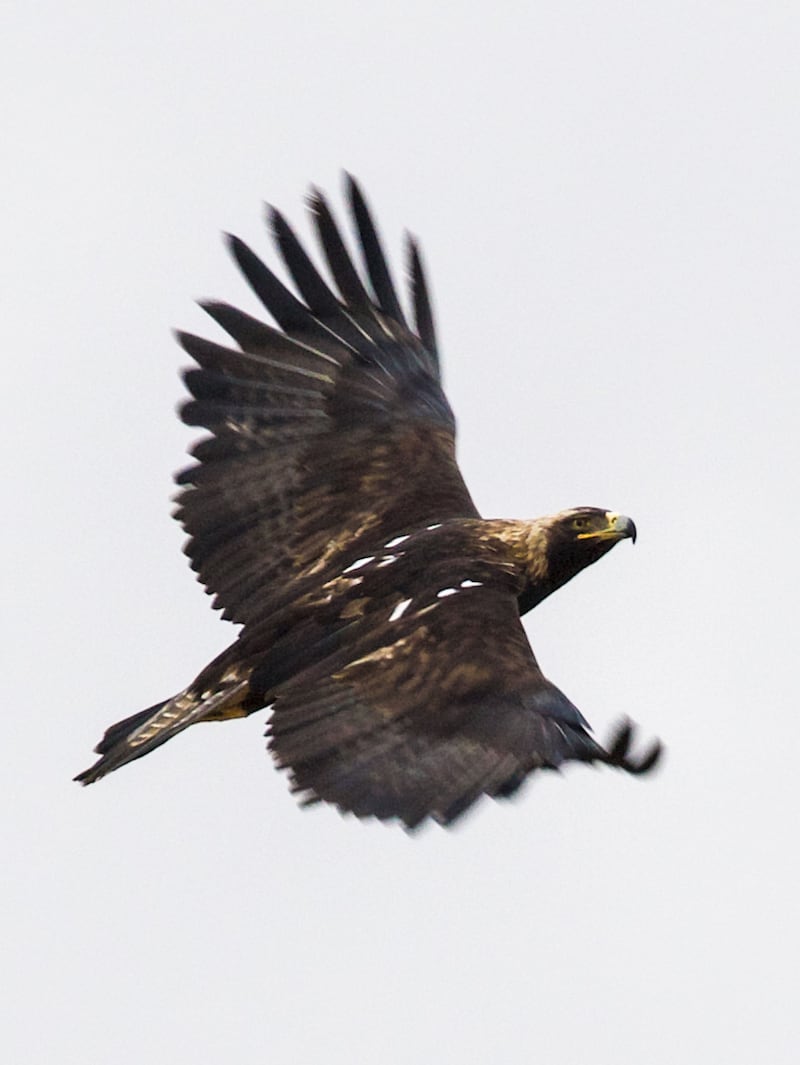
562,545
577,538
580,536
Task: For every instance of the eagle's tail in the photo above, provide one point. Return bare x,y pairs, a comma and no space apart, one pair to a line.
141,733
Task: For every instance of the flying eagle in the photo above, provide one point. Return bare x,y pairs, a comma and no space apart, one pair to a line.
327,516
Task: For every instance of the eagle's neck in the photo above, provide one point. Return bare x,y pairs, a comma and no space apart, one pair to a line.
529,545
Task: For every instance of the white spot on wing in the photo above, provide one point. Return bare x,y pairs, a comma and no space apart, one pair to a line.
359,562
399,610
443,594
436,525
397,540
387,560
471,584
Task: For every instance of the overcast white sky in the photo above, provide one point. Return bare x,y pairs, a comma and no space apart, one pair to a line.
607,195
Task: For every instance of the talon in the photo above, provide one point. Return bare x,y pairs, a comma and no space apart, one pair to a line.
622,741
617,754
647,762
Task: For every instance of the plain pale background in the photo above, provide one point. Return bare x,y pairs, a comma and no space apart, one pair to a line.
607,199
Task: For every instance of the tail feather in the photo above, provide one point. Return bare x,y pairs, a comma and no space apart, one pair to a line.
117,732
139,734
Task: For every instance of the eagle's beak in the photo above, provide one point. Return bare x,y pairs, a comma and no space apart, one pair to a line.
619,527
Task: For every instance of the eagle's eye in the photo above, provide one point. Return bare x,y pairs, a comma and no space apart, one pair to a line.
579,524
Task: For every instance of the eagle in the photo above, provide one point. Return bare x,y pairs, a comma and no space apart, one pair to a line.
327,516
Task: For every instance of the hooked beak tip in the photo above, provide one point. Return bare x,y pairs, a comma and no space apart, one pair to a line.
623,526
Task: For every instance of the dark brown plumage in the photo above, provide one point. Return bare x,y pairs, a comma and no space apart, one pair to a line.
327,515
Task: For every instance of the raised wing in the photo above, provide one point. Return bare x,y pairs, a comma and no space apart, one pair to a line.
429,697
330,433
